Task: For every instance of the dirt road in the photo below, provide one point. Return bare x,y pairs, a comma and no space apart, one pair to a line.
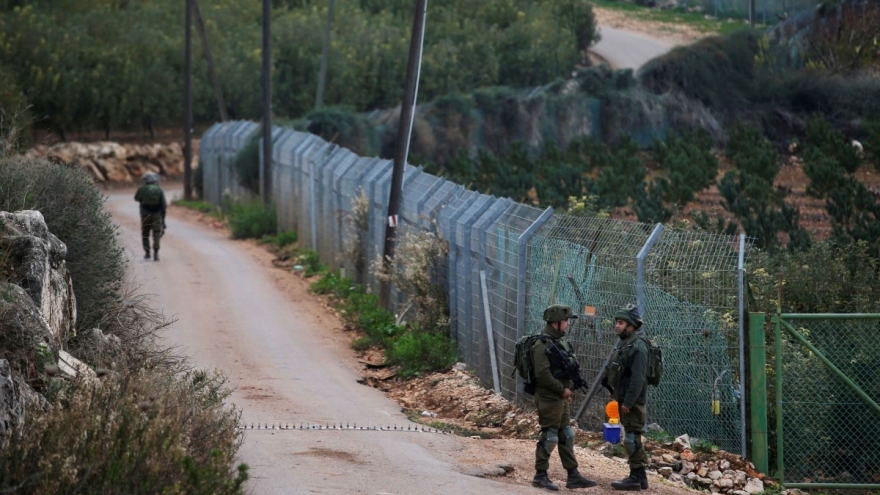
288,364
291,362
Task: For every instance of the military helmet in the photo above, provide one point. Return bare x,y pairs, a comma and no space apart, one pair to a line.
558,312
629,314
150,178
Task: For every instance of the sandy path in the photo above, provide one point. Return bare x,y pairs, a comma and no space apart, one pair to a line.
289,364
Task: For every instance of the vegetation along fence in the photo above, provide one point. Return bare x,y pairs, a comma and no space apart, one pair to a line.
507,261
825,382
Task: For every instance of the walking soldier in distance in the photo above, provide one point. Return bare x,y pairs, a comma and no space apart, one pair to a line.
152,209
549,353
627,374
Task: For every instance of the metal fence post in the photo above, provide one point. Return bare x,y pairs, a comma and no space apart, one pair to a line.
494,359
758,391
640,267
522,245
777,337
312,213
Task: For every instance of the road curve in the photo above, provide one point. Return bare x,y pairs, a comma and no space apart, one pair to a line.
627,49
230,315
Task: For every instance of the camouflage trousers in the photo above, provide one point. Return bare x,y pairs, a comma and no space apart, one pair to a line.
634,426
554,417
151,222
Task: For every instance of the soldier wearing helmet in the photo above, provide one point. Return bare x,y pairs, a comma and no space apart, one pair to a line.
627,374
152,210
553,402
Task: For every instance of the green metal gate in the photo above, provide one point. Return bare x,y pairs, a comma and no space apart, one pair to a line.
826,389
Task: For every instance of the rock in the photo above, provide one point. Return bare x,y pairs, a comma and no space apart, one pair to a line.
73,367
35,258
739,492
724,483
702,482
724,465
653,427
687,455
682,443
666,472
715,475
429,414
460,366
740,478
703,471
12,410
668,458
687,467
754,485
691,476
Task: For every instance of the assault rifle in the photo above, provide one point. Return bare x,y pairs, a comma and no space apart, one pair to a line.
571,370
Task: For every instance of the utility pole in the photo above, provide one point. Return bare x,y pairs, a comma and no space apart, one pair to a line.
266,182
325,54
751,13
187,104
401,150
212,75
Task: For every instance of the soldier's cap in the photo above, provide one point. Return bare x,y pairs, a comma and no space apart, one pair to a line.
629,314
558,312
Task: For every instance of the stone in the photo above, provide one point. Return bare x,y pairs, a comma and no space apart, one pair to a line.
73,367
754,485
739,492
460,366
703,471
12,410
668,458
724,484
724,465
666,472
35,258
740,478
691,476
715,475
682,443
675,477
687,455
687,467
702,482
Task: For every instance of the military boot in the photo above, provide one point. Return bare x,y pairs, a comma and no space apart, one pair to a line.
631,482
643,477
147,254
575,480
155,255
541,480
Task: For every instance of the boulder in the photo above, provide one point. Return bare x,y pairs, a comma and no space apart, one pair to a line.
24,333
34,260
11,408
682,443
754,486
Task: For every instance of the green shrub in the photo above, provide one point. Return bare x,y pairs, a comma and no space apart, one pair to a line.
140,433
417,351
281,239
251,219
345,128
198,205
73,209
311,261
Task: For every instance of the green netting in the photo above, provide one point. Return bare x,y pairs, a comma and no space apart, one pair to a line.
831,434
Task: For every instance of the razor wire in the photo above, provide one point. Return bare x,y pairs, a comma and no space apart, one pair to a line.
515,259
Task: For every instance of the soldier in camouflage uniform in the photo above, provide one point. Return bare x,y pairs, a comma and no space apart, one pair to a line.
627,375
553,401
152,209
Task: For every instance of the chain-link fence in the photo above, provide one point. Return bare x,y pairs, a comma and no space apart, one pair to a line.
827,387
507,261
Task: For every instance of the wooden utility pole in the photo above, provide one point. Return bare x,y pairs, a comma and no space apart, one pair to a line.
187,104
401,150
266,182
212,75
325,54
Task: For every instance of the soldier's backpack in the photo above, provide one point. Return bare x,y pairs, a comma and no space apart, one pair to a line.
655,361
151,196
522,361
